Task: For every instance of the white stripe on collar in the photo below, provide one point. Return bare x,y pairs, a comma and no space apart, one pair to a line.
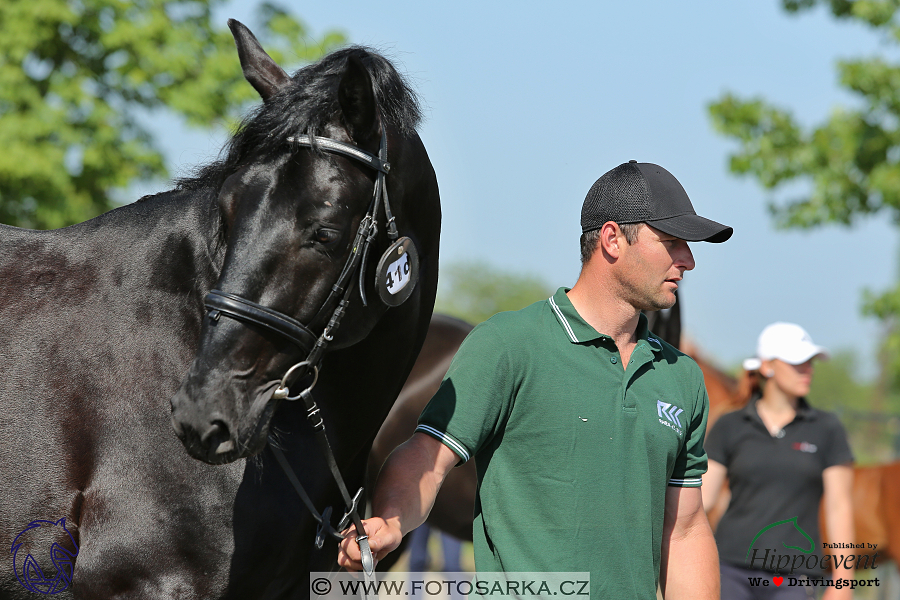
566,325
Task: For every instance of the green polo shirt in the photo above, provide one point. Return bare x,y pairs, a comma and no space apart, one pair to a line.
573,452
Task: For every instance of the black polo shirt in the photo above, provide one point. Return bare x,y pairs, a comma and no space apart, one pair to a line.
774,478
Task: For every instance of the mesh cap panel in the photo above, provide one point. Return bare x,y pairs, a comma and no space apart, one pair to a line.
620,195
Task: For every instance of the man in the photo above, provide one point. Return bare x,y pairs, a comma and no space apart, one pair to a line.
587,430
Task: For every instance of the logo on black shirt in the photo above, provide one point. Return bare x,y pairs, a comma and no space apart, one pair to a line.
804,447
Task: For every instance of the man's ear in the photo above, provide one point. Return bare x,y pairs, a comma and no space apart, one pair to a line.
611,239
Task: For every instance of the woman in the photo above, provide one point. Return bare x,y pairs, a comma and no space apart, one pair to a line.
781,457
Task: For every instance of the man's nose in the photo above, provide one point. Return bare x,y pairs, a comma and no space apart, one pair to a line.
685,257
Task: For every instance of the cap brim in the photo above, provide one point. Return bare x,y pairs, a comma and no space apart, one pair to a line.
693,228
802,354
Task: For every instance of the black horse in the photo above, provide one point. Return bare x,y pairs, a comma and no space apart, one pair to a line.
100,323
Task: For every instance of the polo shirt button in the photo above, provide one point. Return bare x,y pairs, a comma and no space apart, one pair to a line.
613,359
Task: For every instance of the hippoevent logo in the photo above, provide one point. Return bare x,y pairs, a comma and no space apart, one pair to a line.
807,560
36,548
792,521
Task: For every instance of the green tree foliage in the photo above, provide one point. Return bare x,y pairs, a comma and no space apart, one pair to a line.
862,407
851,162
72,73
475,291
834,386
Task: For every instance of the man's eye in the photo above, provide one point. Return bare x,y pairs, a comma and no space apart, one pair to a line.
327,236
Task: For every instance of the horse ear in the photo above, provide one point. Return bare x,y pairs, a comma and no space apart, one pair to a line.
357,100
260,70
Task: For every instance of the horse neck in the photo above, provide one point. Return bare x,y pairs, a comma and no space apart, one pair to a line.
156,257
179,232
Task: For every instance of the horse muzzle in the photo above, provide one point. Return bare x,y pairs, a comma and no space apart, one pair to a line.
214,436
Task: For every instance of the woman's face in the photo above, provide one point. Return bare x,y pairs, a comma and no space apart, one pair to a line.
793,380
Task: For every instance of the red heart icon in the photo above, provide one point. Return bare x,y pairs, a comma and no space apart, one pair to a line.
778,580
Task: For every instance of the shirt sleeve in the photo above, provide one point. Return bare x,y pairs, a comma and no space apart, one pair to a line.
838,451
475,397
691,462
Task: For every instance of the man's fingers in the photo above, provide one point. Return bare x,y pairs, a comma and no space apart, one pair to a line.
349,556
348,550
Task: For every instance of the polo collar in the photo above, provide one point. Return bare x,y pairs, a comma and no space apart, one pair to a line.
579,331
804,410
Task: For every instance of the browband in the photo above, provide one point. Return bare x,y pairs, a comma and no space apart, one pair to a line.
342,148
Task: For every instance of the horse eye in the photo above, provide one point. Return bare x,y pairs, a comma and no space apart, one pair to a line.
327,236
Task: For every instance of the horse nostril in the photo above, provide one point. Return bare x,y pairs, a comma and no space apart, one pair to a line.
218,436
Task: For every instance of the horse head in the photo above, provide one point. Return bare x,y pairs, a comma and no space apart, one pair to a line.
300,238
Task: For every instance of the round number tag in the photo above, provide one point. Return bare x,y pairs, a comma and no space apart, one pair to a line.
398,272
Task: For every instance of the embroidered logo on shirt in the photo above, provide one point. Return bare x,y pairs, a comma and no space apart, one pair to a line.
804,447
669,412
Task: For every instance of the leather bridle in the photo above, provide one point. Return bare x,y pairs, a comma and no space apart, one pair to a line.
231,305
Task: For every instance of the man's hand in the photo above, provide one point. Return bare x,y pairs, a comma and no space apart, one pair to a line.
383,538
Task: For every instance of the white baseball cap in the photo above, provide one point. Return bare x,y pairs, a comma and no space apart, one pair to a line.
787,342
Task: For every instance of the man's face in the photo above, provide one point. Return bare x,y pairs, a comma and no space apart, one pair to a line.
652,267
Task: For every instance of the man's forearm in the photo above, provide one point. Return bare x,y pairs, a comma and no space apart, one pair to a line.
403,497
410,480
690,566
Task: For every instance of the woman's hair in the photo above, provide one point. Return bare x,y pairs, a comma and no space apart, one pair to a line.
750,386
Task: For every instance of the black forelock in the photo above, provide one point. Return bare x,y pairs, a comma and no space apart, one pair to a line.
306,106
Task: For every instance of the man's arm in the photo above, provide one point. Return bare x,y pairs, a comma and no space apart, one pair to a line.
689,568
404,494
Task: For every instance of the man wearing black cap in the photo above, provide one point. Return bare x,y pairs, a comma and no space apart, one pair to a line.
587,430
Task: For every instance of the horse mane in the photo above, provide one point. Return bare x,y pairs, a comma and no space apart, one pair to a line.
305,106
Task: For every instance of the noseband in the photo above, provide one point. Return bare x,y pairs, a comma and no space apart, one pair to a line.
231,305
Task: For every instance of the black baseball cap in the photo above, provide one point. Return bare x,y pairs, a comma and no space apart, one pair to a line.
637,192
